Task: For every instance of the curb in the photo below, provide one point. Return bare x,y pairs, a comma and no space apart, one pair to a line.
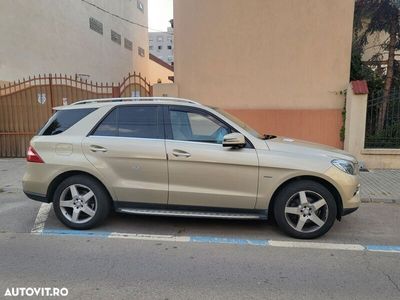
380,200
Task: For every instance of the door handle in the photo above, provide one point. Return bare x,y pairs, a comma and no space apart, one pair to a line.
180,153
96,148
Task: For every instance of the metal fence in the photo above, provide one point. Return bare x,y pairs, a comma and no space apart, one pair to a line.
383,121
25,105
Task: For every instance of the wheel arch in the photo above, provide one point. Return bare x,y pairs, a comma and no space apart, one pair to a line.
325,183
61,177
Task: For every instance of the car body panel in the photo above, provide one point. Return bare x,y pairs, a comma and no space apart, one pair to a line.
213,175
136,168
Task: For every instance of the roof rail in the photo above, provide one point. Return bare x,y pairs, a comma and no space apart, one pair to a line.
124,99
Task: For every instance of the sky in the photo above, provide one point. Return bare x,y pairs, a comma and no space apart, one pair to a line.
160,12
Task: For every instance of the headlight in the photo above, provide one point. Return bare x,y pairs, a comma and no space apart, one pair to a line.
344,165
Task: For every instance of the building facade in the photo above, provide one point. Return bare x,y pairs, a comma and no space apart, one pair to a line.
281,66
89,39
161,45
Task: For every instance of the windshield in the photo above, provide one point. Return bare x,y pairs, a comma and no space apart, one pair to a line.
237,121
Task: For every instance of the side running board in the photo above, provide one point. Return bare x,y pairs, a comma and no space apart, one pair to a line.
191,214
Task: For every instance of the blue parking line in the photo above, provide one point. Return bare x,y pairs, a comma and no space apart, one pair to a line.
383,248
82,233
220,240
212,240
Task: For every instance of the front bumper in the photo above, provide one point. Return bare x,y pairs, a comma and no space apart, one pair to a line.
348,187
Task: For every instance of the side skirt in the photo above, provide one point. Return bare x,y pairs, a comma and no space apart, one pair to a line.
189,211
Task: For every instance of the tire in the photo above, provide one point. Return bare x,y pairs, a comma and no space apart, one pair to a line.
81,202
305,209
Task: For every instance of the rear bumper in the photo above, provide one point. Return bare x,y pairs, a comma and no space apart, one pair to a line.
347,211
37,197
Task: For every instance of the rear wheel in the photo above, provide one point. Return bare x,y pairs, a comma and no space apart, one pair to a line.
305,209
81,202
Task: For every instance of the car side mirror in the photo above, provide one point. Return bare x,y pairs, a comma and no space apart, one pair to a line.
235,139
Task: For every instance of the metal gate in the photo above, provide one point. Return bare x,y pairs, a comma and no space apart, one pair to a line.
26,105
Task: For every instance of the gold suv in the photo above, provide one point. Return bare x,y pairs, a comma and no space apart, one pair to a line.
176,157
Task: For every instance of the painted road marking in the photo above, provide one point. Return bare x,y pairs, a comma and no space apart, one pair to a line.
43,213
220,240
149,237
316,245
223,240
41,218
383,248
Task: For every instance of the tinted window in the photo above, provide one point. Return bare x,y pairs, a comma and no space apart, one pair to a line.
197,127
108,127
64,119
138,121
131,121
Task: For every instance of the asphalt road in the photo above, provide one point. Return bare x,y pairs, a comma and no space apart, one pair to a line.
99,267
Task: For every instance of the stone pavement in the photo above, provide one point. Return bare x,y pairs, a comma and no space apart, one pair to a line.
380,186
376,185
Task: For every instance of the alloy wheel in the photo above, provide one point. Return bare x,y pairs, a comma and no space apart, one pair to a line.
306,211
78,203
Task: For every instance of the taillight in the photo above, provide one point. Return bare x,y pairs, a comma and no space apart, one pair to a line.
32,156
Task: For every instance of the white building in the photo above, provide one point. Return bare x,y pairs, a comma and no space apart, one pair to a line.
93,39
161,45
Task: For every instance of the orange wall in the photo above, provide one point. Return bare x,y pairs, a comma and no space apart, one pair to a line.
315,125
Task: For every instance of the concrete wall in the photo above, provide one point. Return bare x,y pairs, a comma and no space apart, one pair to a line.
267,57
47,36
356,114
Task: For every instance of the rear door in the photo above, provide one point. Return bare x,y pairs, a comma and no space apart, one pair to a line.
128,148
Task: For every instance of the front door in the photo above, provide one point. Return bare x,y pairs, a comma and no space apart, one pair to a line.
201,171
128,149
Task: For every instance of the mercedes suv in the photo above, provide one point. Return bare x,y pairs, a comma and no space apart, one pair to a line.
176,157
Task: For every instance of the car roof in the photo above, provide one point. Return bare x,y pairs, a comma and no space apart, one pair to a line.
96,103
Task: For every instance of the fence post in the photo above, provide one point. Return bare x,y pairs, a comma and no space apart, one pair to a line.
356,115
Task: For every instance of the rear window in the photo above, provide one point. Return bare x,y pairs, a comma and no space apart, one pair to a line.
64,119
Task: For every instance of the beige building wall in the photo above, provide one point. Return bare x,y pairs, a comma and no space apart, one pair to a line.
48,36
158,73
255,57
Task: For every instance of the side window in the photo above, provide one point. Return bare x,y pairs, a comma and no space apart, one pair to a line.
108,127
138,121
131,121
197,127
64,119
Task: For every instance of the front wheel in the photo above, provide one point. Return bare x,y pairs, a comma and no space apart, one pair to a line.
81,202
305,209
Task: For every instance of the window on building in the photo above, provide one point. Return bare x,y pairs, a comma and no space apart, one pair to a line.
160,39
140,5
95,25
169,39
115,37
169,47
159,47
151,47
128,44
141,51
